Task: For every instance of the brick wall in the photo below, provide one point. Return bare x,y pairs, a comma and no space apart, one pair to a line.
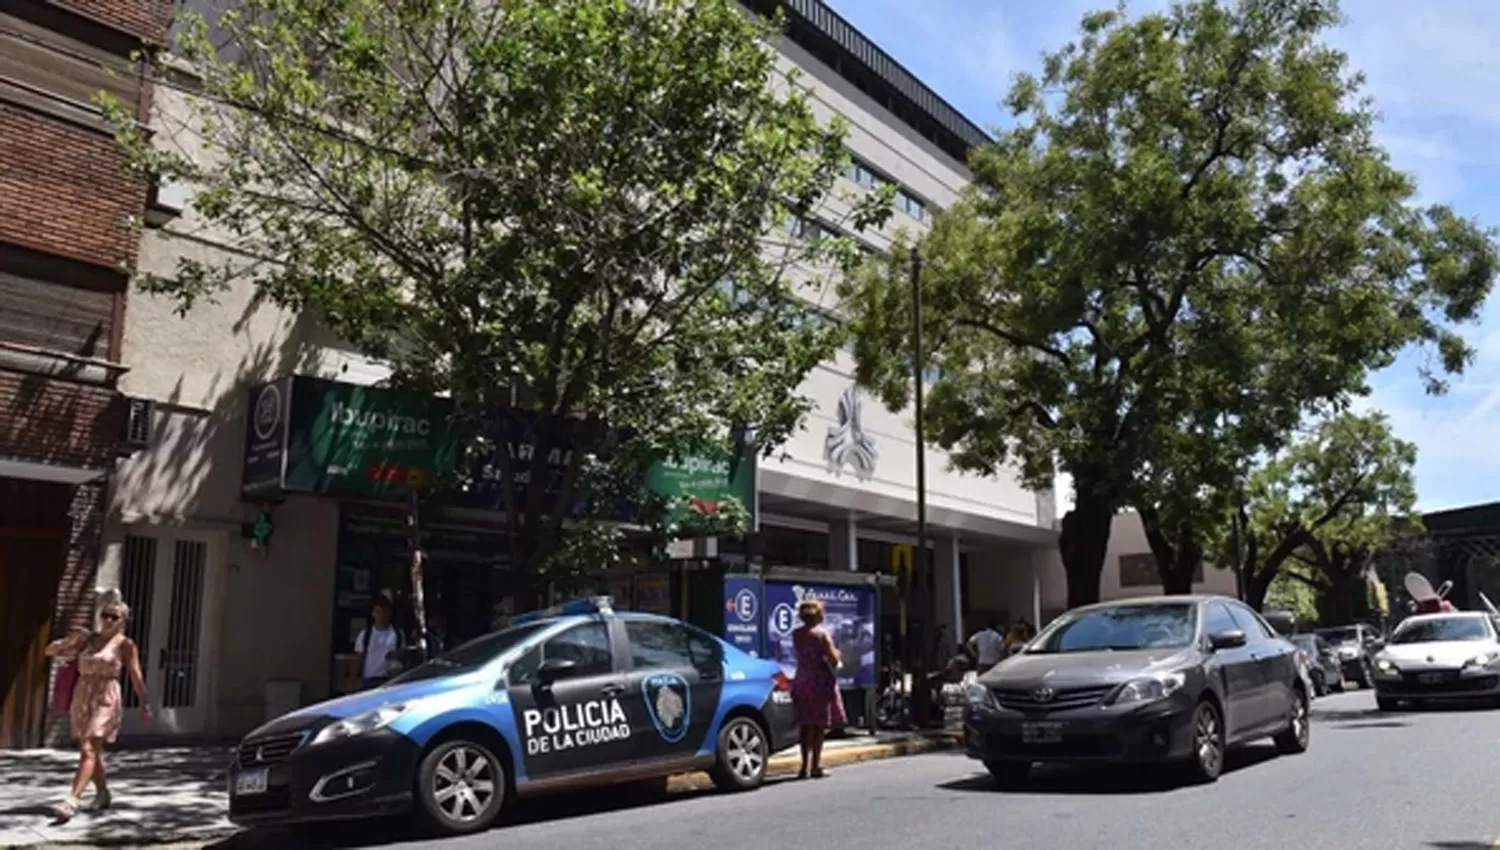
146,20
56,421
62,191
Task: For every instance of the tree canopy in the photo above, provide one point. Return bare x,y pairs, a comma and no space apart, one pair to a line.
585,209
1331,502
1190,226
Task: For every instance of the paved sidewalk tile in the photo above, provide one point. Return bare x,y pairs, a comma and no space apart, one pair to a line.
159,795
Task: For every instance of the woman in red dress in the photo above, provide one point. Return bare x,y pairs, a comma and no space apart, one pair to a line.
815,691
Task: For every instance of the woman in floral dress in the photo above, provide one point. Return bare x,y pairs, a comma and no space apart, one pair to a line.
815,691
98,704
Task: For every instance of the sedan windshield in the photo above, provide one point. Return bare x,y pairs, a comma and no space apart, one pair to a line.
1123,627
1445,628
471,656
1306,643
1338,636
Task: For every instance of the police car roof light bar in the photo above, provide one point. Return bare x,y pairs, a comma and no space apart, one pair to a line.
575,607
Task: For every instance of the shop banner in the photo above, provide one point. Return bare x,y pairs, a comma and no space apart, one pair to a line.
852,621
743,614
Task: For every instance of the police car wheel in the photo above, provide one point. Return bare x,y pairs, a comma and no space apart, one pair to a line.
742,756
461,787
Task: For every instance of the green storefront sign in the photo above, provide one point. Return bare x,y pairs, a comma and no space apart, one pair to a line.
309,435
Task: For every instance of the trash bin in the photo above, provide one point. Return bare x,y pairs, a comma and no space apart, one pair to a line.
283,696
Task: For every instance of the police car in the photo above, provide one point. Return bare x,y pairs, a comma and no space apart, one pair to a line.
572,697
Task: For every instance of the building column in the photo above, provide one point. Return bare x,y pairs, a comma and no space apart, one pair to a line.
1034,585
950,603
843,544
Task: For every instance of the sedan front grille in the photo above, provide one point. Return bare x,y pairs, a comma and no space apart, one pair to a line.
1047,699
270,750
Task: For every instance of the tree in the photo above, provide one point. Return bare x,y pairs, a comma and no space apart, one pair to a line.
555,212
1183,200
1331,501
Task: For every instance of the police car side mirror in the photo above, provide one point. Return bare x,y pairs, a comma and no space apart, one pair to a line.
554,669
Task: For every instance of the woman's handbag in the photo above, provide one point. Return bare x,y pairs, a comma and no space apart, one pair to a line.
62,687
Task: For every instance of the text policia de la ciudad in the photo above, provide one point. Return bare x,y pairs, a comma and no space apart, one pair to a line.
550,730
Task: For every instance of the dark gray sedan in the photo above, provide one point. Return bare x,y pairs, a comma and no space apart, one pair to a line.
1174,680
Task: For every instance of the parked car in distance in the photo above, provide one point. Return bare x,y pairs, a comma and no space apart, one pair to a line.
1451,657
1172,679
1354,644
573,697
1323,664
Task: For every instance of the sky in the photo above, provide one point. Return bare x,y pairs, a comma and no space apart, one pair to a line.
1434,75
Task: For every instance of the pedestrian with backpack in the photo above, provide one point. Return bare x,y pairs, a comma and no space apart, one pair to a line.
379,646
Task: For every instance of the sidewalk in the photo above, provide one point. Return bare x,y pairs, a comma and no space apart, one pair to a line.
178,795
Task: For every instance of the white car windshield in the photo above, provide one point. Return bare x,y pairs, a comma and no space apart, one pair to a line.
1441,629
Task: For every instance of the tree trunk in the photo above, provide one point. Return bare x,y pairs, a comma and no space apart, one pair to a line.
1082,543
1178,555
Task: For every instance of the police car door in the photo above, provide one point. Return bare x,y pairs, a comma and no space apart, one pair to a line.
568,696
677,675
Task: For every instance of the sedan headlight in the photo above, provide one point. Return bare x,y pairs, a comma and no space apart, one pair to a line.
1148,689
1483,659
979,696
1385,665
360,724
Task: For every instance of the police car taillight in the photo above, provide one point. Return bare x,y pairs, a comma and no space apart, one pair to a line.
782,682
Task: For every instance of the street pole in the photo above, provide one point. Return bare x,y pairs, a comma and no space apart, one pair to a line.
922,696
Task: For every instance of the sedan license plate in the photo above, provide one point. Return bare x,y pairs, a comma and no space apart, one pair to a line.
251,782
1430,678
1041,733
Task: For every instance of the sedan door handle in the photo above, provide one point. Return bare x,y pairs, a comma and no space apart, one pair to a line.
613,690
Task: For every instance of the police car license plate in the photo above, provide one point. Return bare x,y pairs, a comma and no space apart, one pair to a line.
1430,678
251,782
1041,733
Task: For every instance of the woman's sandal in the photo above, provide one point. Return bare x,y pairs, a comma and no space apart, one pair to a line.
818,773
64,811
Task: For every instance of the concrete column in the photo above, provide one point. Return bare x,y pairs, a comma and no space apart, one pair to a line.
950,603
1034,566
843,544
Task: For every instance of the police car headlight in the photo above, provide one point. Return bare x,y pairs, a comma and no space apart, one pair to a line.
360,724
979,696
1148,689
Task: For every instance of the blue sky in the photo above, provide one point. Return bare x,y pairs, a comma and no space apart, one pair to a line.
1435,76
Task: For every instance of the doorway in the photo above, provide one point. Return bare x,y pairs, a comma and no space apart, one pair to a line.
34,525
170,578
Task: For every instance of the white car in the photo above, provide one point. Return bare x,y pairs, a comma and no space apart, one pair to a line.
1439,658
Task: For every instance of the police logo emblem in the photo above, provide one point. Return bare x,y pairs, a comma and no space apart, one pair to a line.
670,704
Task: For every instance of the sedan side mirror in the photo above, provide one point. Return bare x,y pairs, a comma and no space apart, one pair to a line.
1232,639
554,669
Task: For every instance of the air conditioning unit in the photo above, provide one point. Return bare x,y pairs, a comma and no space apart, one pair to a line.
139,413
167,200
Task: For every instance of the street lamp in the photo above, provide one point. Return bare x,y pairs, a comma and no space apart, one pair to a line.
922,708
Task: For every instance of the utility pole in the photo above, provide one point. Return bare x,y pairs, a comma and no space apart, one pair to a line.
922,708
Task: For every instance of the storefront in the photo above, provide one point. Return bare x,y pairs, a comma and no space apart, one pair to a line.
368,449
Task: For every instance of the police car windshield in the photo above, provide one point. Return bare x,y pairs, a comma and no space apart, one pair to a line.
473,655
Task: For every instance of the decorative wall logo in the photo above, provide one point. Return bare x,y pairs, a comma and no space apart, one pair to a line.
847,443
669,702
267,414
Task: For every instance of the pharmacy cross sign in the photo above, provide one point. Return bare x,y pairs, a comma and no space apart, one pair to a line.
847,442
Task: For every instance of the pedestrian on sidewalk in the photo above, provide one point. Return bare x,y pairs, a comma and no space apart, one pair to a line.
815,691
378,645
987,646
98,705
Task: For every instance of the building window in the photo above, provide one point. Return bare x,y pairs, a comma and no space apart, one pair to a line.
807,229
858,171
913,206
1140,571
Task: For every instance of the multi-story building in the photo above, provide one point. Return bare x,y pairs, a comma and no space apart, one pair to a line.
238,625
69,236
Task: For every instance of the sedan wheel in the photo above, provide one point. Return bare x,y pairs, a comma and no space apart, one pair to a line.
1299,727
461,787
1208,744
742,756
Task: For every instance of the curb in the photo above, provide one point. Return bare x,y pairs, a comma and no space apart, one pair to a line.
788,763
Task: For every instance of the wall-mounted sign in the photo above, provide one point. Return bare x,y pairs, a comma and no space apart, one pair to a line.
847,443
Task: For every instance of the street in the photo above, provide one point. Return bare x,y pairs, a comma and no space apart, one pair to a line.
1389,781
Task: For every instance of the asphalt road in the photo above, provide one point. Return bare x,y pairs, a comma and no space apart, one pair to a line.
1370,780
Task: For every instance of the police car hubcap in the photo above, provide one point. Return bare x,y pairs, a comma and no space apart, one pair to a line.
745,754
464,784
